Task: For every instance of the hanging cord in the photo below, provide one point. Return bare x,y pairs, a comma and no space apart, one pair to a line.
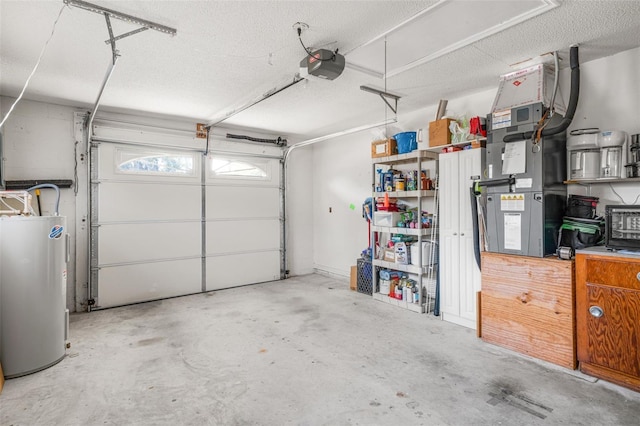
537,135
555,83
386,126
309,53
622,199
34,68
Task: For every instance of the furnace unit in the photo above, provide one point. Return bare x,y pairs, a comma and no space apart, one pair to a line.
525,193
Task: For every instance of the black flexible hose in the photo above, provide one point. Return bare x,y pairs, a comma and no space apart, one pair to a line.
571,108
476,230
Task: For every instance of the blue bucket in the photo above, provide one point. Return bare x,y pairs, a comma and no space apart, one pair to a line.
406,142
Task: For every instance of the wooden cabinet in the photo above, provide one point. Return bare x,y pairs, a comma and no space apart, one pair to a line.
608,316
528,306
459,272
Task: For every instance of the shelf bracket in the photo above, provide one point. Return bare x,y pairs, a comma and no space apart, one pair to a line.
384,96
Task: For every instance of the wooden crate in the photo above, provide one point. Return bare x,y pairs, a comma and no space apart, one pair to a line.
384,148
528,306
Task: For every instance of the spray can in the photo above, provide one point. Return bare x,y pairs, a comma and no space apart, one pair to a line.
388,181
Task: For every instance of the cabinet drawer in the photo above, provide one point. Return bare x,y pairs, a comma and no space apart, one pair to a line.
615,273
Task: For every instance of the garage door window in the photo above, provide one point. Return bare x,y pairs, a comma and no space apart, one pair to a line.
236,168
155,163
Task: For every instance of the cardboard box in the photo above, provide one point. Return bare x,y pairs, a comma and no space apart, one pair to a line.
353,283
389,255
439,133
384,148
478,143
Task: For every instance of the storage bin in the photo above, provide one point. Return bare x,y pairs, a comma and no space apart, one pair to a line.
406,142
426,253
365,276
390,219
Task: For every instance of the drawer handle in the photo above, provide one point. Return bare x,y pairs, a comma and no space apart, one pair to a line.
596,311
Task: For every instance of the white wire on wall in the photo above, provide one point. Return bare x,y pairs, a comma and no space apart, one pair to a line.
55,23
622,199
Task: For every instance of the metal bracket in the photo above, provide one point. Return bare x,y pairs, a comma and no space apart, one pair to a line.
112,40
384,95
130,33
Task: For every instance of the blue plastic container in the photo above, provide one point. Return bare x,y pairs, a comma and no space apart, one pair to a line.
406,142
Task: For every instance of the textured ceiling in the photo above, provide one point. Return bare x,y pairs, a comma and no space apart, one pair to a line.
227,53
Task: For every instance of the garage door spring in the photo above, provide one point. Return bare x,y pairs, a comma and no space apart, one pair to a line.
280,141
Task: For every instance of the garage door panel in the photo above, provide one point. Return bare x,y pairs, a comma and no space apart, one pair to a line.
111,156
125,243
241,269
121,285
140,201
235,202
233,236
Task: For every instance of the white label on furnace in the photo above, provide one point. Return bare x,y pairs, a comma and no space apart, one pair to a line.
524,183
512,231
501,119
512,202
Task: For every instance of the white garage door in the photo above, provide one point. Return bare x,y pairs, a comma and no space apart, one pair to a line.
243,220
169,222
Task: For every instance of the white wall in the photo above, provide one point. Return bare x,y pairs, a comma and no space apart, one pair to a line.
39,144
299,211
342,175
609,99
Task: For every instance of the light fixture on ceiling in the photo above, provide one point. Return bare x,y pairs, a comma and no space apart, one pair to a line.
444,27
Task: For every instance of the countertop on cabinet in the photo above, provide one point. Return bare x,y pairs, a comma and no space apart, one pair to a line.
603,251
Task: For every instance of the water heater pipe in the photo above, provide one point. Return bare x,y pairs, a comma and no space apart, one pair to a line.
52,186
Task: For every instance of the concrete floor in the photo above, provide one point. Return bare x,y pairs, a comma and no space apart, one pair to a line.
303,351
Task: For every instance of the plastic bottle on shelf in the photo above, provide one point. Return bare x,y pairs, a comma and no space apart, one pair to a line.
423,180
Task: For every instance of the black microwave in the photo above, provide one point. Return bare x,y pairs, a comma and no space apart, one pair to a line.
623,227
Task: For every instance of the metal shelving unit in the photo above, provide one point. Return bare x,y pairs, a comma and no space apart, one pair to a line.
423,234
